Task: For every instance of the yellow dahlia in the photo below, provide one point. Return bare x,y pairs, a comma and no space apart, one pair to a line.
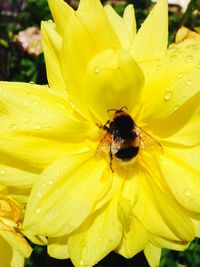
13,246
102,186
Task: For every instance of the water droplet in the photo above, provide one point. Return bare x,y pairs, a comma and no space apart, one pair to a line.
114,45
100,239
198,65
38,210
180,75
187,192
2,172
13,127
172,57
73,105
189,59
31,82
47,125
168,95
96,70
188,82
81,262
39,194
37,126
175,108
51,182
36,103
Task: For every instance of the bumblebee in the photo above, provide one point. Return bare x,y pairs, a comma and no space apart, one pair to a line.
123,137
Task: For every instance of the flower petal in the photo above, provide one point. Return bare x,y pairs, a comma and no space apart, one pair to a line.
93,18
36,124
15,176
134,239
119,26
58,247
51,43
90,27
99,235
115,78
170,82
147,45
32,110
169,244
159,214
17,259
152,254
5,253
62,192
61,13
130,21
17,241
179,129
180,168
36,152
196,224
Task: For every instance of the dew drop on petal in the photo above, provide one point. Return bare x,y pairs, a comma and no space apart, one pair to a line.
172,57
175,108
38,210
51,182
198,65
2,172
187,192
13,127
37,126
47,125
189,59
180,75
81,263
168,95
96,70
188,82
39,194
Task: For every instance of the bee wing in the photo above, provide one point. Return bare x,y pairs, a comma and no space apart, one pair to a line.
105,142
147,141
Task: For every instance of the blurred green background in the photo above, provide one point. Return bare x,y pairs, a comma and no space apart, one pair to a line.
23,61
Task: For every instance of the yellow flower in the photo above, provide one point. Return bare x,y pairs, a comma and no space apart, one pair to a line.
88,201
13,246
184,33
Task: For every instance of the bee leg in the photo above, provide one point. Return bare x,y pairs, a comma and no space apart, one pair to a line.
111,158
103,127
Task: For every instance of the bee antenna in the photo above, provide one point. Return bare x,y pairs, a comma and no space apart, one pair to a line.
124,107
117,110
